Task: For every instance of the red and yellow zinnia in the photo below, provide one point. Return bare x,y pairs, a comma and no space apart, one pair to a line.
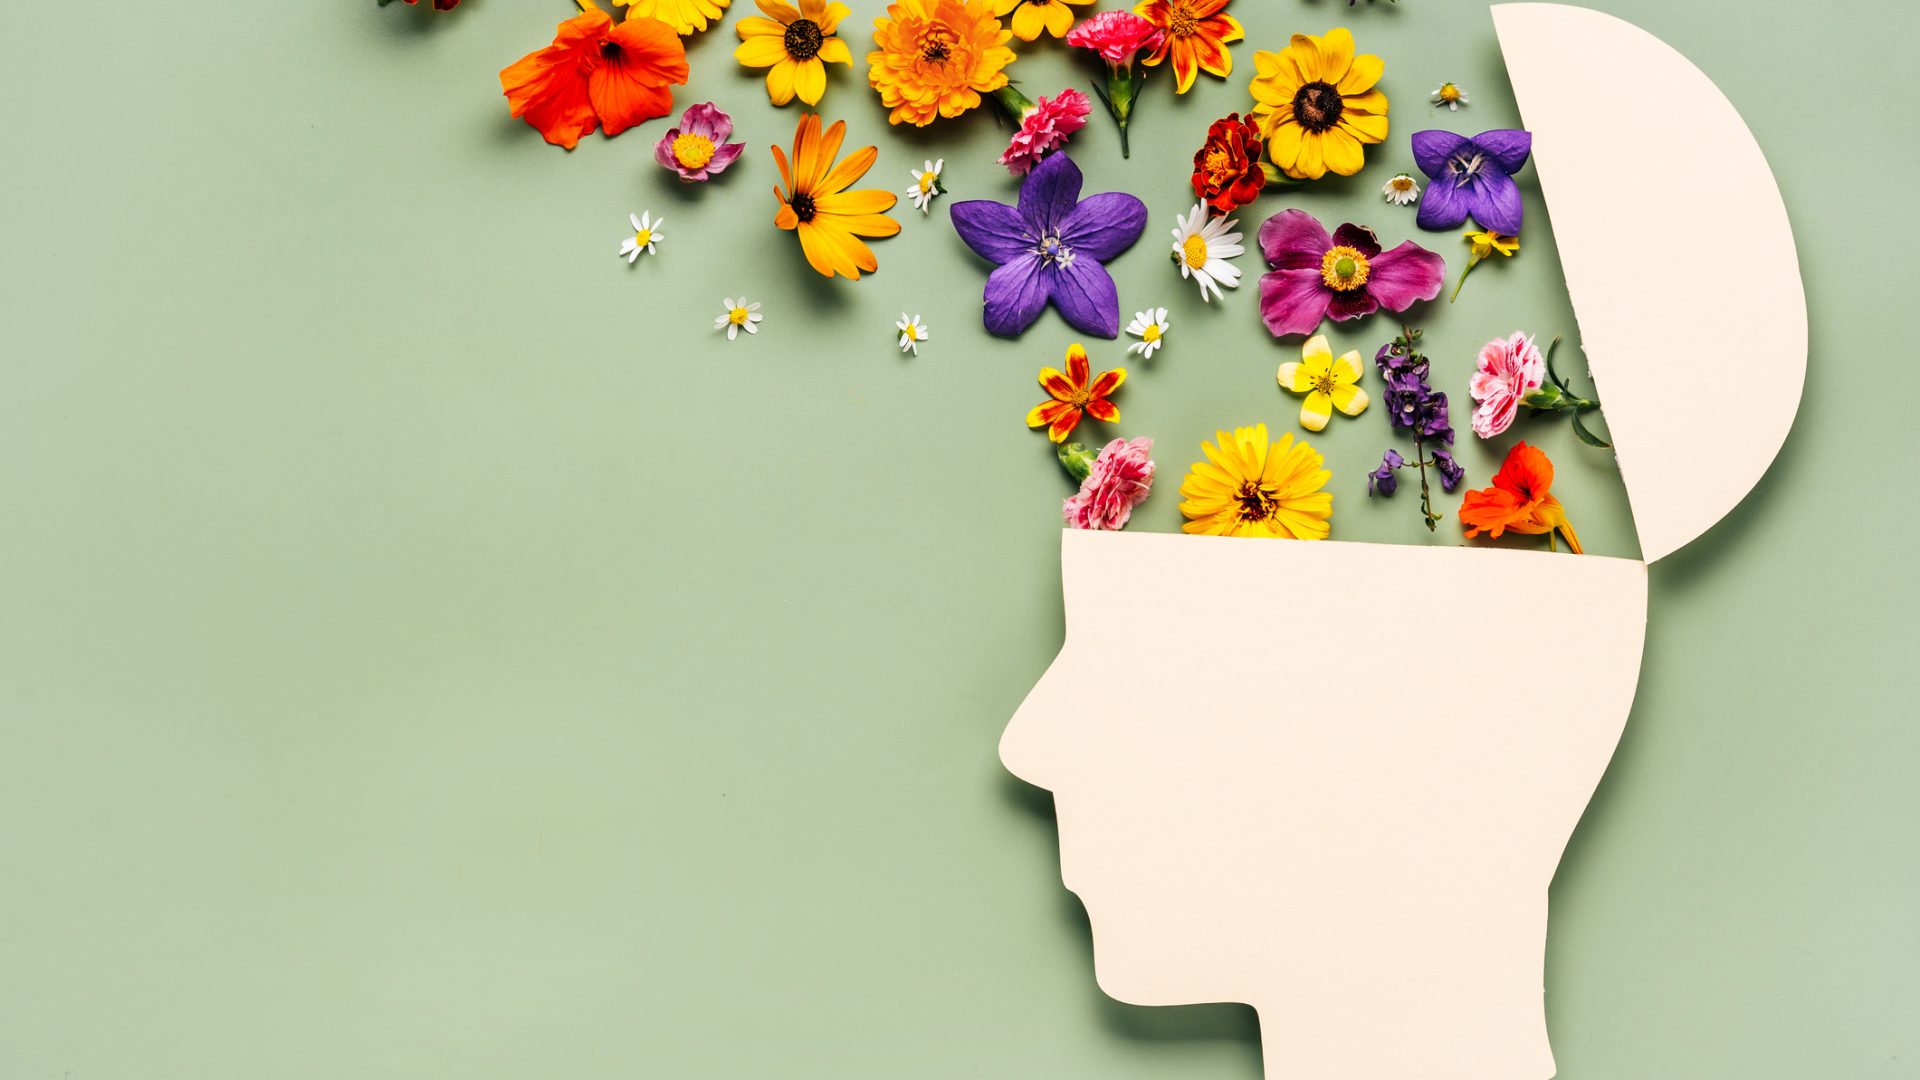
1197,33
596,73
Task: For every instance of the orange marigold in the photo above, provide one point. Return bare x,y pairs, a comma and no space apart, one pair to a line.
936,57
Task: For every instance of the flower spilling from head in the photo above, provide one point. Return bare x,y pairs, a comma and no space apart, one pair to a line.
685,16
936,58
1118,37
913,331
815,202
1031,18
738,315
1402,190
1051,249
1196,35
1449,96
1202,246
1472,178
1250,487
596,74
1150,327
926,185
1044,126
1329,383
1520,501
646,233
1414,406
697,148
1344,276
1486,245
1073,393
1226,170
1317,104
795,45
1509,370
1112,483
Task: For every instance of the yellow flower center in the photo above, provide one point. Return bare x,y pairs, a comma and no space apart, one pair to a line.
738,316
926,183
1183,22
643,238
692,151
1152,333
1217,163
1195,251
1344,269
1324,383
1449,92
1402,183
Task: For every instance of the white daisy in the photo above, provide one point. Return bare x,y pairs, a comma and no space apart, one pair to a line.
1402,190
1150,327
646,233
1451,96
1202,246
737,317
926,185
912,333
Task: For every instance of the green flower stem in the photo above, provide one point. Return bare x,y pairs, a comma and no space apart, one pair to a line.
1471,263
1016,104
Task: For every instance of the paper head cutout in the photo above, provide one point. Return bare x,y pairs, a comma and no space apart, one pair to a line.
1264,798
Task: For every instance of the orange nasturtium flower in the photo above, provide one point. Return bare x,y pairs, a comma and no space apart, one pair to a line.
596,73
1520,500
1073,392
1197,33
815,201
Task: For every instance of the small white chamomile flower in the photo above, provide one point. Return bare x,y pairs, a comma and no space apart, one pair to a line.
646,233
1402,190
912,333
1202,245
737,317
1449,96
926,185
1150,326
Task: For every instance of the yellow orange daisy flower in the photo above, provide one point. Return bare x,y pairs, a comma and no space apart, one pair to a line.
1197,33
1031,18
936,57
685,16
1250,487
815,202
1074,393
1316,105
795,45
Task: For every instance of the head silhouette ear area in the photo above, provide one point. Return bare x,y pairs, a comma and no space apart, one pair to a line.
1656,187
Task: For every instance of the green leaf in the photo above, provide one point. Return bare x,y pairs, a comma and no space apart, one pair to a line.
1273,174
1589,437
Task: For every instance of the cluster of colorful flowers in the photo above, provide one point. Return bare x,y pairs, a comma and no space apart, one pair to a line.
1315,107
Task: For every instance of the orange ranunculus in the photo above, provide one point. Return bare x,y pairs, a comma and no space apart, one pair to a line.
815,202
1519,500
1197,33
596,73
1074,392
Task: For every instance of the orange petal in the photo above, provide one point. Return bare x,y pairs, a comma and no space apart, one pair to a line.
1078,370
1108,382
1045,413
1056,383
1063,424
1103,410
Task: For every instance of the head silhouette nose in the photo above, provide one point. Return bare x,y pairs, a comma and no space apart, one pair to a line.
1035,737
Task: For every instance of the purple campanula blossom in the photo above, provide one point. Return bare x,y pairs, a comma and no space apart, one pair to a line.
1472,178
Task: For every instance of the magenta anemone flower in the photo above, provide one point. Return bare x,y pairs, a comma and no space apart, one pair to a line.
1344,275
1051,249
698,147
1472,178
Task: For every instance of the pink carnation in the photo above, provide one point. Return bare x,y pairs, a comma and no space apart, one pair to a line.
1121,479
1044,129
1508,371
1116,36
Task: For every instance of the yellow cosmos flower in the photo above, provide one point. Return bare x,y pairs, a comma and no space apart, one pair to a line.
1031,17
1328,383
1247,487
1316,105
816,204
936,57
796,45
685,16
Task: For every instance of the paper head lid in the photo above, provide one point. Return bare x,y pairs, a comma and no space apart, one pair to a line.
1678,255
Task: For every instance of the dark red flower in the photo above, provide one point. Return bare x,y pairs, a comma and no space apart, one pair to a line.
1226,171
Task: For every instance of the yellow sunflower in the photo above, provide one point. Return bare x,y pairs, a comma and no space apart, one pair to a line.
815,202
685,16
1031,17
1247,487
796,45
1316,105
936,57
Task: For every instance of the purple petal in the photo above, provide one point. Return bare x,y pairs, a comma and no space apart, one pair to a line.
1015,296
1104,225
1293,301
1494,202
993,230
1405,275
724,155
1444,206
1049,193
1358,237
1350,305
1506,148
1431,149
1293,240
1086,296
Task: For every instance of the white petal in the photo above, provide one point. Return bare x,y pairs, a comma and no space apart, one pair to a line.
635,218
751,327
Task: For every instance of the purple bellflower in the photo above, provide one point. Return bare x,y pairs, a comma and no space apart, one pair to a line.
1472,178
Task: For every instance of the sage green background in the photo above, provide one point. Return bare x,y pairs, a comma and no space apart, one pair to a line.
430,650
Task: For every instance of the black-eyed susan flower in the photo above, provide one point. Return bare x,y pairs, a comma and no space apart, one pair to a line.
1317,105
795,45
